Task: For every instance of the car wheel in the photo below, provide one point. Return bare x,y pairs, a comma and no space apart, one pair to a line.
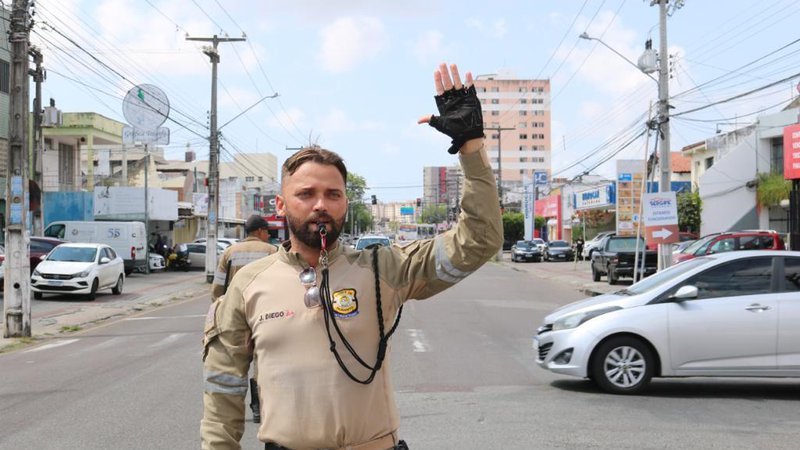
117,289
37,295
612,278
93,293
595,274
622,365
513,258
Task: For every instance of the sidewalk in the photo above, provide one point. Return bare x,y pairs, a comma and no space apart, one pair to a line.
576,274
75,316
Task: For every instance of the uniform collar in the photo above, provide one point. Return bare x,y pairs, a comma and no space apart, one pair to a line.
287,255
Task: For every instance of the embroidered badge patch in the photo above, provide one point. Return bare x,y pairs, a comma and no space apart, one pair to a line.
345,303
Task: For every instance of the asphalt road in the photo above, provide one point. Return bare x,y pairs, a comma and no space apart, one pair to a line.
462,365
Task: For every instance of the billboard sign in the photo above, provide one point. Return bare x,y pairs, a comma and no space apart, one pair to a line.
661,217
791,152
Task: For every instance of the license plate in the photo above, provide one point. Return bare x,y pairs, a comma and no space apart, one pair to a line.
55,282
561,256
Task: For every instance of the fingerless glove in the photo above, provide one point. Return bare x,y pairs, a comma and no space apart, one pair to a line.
459,116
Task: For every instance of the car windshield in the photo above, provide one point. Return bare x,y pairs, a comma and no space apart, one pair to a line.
703,242
72,254
538,241
556,244
525,245
664,276
625,244
366,242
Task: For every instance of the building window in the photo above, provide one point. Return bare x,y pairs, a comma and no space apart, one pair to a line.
523,89
537,160
522,125
523,136
523,160
483,89
495,89
524,101
523,113
776,156
495,136
5,80
249,179
495,124
709,162
483,101
260,178
495,113
495,101
523,148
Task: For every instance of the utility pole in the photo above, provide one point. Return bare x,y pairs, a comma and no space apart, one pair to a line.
38,76
213,156
500,161
147,210
17,282
664,185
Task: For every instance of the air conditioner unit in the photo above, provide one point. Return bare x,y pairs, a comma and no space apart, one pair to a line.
51,117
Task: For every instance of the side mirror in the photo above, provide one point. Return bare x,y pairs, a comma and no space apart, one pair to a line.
43,257
685,293
104,260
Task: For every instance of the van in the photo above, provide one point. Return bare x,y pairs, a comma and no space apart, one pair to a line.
128,239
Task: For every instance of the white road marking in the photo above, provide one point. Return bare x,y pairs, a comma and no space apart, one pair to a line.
166,317
418,340
168,340
53,345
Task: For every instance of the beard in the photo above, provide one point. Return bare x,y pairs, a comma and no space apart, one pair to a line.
302,229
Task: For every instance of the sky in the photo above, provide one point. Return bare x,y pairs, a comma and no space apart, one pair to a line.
354,76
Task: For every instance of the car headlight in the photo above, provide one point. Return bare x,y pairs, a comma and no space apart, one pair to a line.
575,320
83,274
36,273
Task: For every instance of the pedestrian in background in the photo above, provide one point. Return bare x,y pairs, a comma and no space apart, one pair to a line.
254,247
579,249
318,315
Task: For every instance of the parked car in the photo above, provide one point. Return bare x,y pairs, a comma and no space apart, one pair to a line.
729,314
589,246
559,251
615,255
128,239
226,242
525,251
679,247
197,253
369,240
39,247
540,243
73,268
730,241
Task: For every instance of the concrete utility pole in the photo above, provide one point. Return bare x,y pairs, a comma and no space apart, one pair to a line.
17,282
665,182
500,160
213,156
38,76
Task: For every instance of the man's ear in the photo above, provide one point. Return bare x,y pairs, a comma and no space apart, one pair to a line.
280,205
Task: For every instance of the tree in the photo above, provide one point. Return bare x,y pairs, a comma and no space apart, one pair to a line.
689,208
513,226
359,215
772,188
433,214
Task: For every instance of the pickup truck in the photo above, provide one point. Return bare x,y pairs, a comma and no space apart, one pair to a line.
614,257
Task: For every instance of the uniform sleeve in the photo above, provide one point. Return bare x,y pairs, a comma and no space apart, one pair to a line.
226,358
429,266
218,286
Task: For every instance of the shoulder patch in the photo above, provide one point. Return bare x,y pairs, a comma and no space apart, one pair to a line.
345,303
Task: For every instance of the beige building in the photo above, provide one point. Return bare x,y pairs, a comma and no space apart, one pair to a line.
442,185
523,105
256,170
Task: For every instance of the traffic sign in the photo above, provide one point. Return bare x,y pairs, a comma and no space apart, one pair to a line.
660,217
540,178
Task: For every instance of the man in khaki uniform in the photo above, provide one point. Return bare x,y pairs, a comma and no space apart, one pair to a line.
313,312
236,256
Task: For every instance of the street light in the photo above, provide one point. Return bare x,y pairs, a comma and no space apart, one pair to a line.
645,60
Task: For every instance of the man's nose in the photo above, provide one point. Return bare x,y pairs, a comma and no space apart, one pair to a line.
320,203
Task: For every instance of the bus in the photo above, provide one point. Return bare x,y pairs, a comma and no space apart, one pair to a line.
414,231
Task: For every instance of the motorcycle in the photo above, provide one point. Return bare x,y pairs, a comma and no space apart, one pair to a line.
178,258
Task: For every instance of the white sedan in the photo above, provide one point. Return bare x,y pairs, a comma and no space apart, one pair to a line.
79,269
724,315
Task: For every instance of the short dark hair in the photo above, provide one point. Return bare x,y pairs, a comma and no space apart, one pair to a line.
313,154
255,223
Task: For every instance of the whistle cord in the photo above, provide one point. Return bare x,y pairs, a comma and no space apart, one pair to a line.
330,317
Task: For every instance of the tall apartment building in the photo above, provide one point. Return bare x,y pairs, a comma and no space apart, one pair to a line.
523,106
442,185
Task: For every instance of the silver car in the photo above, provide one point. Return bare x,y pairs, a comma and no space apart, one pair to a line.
724,315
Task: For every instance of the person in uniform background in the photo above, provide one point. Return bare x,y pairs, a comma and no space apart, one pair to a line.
317,315
236,256
579,249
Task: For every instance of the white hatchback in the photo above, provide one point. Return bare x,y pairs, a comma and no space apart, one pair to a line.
79,269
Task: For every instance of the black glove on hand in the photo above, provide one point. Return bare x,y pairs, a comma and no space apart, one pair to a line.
460,118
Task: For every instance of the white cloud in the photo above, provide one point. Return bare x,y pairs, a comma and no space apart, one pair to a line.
338,121
494,30
286,118
349,41
428,45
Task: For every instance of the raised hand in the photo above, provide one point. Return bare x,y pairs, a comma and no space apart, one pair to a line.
459,108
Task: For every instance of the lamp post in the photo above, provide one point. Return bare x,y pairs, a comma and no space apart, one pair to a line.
661,123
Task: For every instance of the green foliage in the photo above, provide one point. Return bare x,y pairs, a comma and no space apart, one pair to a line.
689,208
433,214
772,188
359,216
539,222
513,226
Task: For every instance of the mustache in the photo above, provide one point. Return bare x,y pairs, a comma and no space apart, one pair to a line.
320,218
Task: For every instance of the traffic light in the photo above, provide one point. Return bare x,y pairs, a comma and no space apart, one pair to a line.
374,200
419,202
